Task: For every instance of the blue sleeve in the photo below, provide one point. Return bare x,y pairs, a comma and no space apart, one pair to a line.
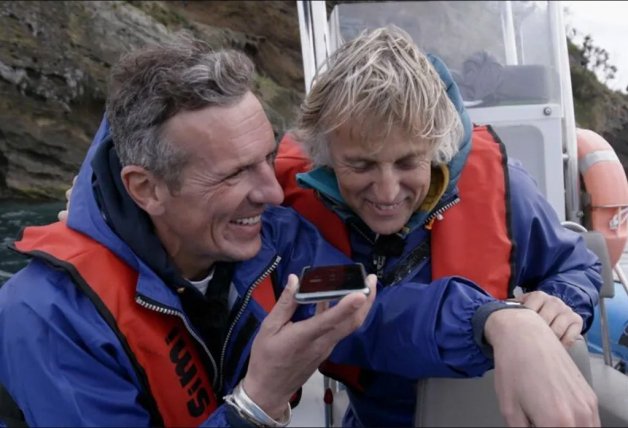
69,375
549,257
420,330
413,329
72,370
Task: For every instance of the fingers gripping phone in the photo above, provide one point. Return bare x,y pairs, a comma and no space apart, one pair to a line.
330,282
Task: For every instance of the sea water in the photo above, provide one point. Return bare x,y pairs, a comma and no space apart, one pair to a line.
14,216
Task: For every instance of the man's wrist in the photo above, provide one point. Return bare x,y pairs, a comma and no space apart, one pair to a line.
480,318
248,410
267,400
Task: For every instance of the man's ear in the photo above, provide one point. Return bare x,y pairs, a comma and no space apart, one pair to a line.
145,189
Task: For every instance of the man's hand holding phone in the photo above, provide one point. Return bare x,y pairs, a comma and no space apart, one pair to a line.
285,353
323,283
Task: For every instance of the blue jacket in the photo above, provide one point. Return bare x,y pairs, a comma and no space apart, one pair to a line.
547,257
63,365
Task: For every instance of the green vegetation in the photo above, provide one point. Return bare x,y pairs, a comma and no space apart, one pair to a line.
596,106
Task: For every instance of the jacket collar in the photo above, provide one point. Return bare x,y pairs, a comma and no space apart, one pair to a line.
102,210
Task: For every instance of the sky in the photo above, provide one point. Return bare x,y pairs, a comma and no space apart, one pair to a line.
607,23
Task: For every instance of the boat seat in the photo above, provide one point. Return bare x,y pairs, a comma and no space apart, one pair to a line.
448,402
596,243
483,78
610,385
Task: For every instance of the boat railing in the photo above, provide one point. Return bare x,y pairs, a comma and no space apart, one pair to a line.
595,242
621,277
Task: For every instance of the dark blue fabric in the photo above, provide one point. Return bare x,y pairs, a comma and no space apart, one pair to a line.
73,371
547,257
126,219
59,359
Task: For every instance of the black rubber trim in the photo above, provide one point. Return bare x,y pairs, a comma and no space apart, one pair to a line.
10,412
479,318
511,261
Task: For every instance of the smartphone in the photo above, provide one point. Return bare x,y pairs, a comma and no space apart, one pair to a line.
321,283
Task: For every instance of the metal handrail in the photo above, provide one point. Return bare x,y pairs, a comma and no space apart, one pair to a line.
572,176
573,226
605,334
606,344
621,276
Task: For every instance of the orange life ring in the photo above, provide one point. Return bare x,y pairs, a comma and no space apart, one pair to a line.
605,181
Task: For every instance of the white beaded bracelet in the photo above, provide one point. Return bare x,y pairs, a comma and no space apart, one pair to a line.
250,411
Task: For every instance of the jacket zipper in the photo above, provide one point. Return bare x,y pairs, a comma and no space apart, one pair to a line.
358,230
438,214
168,311
379,261
245,301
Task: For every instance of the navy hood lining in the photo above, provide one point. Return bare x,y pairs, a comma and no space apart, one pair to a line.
126,219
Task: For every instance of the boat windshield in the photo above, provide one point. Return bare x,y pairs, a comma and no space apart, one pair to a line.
499,52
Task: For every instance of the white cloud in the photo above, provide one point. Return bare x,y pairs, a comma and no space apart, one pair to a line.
607,23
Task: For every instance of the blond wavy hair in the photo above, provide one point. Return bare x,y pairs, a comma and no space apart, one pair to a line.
379,83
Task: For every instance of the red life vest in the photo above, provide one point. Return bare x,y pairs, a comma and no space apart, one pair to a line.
472,235
472,240
290,161
177,390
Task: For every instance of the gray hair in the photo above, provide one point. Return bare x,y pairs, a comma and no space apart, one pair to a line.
153,84
378,83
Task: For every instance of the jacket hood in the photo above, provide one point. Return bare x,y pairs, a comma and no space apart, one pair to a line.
323,179
102,210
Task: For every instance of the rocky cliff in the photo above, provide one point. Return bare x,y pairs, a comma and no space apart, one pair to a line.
55,57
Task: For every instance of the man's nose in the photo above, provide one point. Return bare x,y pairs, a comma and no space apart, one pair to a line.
386,185
267,189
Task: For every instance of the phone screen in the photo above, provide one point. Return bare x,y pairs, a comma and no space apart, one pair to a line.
332,278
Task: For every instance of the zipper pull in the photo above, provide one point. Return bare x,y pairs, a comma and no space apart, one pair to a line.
379,262
429,224
438,216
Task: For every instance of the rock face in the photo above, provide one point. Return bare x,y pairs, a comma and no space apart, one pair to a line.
55,58
54,63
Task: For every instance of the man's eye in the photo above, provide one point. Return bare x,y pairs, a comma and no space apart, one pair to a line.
407,164
411,163
236,174
270,159
361,166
